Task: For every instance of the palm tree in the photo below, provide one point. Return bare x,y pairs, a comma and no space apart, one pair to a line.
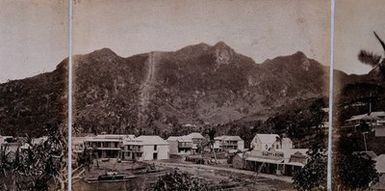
211,133
376,62
372,59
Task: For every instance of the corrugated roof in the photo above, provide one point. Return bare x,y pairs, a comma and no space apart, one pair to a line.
373,115
180,138
114,136
228,138
196,136
371,154
151,140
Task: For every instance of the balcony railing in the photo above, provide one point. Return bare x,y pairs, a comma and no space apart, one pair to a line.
185,145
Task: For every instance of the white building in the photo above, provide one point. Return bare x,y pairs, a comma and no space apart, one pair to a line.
373,119
107,145
145,148
180,145
272,154
4,139
228,143
185,145
197,138
10,144
380,164
79,144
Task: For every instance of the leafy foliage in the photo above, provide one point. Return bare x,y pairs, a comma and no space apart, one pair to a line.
313,175
299,123
369,58
37,166
357,171
354,169
177,181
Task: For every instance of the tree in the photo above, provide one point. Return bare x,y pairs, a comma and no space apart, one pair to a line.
313,175
374,60
357,171
176,181
354,170
211,132
38,165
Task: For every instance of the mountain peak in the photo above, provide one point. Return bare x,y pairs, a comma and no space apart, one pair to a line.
300,54
193,50
221,44
223,53
104,52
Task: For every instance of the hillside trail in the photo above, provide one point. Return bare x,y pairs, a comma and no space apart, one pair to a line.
147,86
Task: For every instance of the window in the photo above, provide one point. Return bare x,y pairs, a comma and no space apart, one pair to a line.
155,156
277,146
155,147
266,147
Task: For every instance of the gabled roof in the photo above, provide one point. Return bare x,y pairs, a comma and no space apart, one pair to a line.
113,136
267,138
180,138
110,138
370,154
196,136
151,140
228,138
380,163
373,115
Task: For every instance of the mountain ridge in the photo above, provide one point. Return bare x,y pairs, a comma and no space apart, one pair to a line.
198,84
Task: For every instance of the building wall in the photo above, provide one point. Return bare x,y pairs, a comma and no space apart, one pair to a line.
241,145
257,144
217,144
162,150
380,131
173,147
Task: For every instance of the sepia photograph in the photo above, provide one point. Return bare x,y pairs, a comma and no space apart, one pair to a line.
200,95
33,95
359,94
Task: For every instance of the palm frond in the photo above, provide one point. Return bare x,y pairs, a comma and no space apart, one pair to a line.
379,39
369,58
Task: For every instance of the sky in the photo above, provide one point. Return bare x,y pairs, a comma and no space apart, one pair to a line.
33,34
259,29
33,37
354,26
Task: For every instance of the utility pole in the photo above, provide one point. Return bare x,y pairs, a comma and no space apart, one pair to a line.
363,134
370,103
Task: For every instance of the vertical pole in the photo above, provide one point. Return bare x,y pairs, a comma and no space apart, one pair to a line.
69,123
366,148
370,103
331,80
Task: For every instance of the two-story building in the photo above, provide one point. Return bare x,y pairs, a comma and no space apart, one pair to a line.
180,145
273,154
228,143
376,120
198,141
107,145
145,148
